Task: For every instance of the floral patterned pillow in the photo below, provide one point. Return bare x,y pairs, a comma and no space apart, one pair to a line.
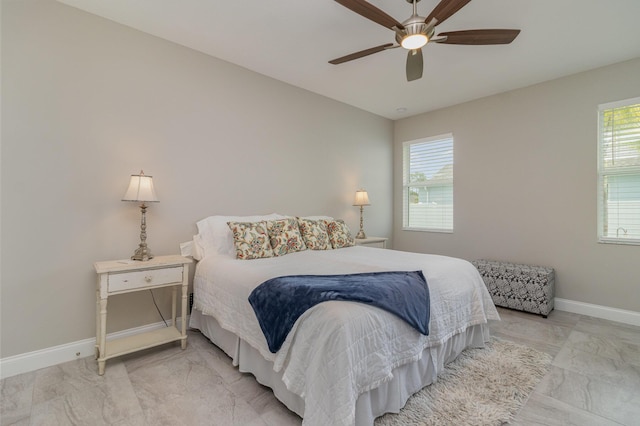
314,233
339,234
251,240
285,237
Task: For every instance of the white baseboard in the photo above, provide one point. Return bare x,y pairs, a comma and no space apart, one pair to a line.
31,361
598,311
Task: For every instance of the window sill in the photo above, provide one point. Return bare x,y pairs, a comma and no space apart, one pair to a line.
440,231
620,241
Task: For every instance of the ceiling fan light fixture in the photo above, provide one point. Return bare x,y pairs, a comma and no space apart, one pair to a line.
414,41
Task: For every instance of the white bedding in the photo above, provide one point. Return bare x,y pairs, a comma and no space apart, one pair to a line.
338,350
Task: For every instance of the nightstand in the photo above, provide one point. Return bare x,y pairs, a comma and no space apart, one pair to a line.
127,276
378,242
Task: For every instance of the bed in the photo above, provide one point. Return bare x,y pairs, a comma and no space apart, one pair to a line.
342,363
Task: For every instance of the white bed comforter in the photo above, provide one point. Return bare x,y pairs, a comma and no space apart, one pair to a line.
338,350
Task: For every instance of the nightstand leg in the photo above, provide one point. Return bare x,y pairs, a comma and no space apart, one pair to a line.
97,348
174,290
184,316
103,335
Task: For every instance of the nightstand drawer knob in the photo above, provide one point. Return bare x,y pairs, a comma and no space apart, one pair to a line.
148,278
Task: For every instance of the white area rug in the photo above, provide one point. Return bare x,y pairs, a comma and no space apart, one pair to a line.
482,387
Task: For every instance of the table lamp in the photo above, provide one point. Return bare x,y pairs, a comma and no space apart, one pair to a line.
362,199
141,190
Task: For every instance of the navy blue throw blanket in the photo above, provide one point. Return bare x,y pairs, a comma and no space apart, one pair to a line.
280,301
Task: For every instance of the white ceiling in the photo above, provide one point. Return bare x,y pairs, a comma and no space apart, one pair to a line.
292,40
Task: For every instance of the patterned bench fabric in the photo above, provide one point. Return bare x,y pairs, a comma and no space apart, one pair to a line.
523,287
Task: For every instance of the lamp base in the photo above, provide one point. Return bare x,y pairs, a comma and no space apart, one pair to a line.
142,254
360,235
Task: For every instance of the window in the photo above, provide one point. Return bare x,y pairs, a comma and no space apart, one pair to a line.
619,172
427,199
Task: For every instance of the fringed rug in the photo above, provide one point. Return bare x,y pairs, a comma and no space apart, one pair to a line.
482,387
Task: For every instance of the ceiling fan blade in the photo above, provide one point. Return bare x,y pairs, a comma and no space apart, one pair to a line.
361,54
445,9
479,37
371,12
414,64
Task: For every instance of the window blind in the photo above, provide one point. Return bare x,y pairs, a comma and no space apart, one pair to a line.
619,172
428,184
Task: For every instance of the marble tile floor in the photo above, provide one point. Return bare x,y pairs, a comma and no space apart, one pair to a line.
594,380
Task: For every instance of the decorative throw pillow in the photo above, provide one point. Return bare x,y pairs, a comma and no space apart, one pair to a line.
215,237
339,234
251,240
314,233
285,237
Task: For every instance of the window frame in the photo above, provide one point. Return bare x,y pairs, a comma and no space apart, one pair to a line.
406,184
603,172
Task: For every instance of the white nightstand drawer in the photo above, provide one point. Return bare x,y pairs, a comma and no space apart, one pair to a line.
137,279
378,242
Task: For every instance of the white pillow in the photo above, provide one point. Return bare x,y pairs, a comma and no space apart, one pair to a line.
186,248
329,218
215,237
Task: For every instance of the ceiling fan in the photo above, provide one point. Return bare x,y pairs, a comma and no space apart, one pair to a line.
417,31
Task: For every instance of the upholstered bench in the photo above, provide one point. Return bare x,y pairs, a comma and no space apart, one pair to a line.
523,287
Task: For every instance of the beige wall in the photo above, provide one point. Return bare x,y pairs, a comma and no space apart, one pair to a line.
525,183
87,102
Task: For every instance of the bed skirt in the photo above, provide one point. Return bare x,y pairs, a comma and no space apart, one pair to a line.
389,397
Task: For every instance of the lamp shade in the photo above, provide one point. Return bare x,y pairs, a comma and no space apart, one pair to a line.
362,198
141,189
